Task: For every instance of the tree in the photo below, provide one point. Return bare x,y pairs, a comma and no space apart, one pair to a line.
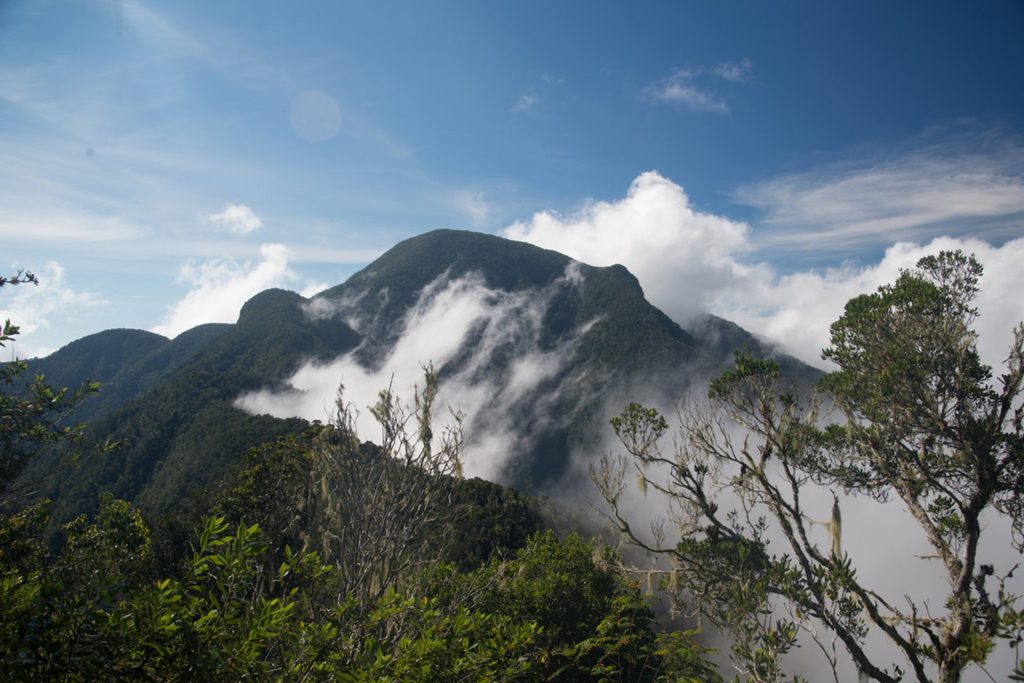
923,422
32,413
376,512
596,625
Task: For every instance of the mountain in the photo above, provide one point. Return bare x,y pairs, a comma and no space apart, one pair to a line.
593,335
178,432
125,362
537,349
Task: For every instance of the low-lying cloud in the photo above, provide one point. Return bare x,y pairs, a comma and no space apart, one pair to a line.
485,341
690,261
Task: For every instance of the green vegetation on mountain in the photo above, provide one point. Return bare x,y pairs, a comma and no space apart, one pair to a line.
99,356
629,334
125,362
33,413
417,261
181,433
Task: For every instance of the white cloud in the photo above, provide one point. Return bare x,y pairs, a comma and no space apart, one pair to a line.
526,102
234,218
797,309
681,256
31,308
684,93
689,262
967,183
692,87
313,288
219,287
677,90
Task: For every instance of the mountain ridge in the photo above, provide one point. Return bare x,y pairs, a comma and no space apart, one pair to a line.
542,342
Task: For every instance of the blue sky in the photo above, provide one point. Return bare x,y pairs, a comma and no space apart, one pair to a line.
161,162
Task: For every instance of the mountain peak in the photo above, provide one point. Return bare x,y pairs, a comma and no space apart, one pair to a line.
504,264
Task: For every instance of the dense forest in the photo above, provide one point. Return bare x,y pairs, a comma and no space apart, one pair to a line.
320,556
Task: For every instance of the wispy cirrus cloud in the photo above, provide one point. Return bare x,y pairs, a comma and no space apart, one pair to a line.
315,115
967,184
737,72
694,87
220,50
66,226
540,91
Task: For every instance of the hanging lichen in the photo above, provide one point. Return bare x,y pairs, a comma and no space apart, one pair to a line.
835,527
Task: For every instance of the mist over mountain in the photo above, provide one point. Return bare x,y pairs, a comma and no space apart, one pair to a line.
534,349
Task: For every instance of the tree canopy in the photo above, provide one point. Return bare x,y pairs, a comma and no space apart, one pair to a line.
922,421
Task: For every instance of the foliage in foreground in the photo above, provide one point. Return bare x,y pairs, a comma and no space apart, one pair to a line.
91,612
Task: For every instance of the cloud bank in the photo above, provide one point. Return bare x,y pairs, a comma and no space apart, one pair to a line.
690,261
681,256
